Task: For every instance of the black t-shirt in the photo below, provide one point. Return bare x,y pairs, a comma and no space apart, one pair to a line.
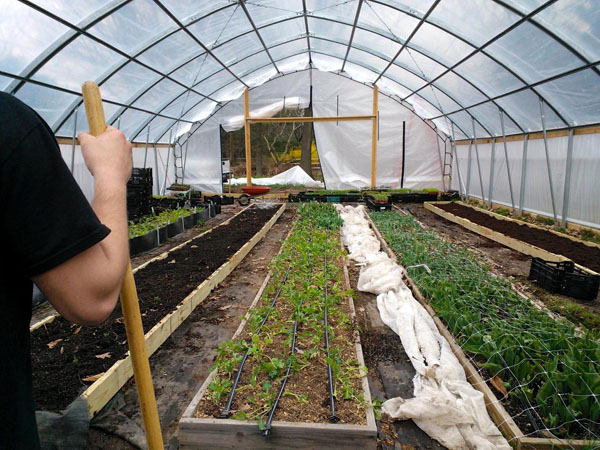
45,220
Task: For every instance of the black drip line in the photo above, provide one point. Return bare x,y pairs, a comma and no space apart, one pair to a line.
333,418
267,429
227,410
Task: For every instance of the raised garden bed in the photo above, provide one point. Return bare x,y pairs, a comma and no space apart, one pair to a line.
66,358
545,371
272,383
584,254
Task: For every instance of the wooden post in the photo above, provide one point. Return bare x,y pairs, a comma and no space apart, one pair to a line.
247,137
129,300
374,138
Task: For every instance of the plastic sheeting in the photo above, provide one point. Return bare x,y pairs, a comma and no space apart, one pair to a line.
86,182
583,207
293,176
445,405
344,147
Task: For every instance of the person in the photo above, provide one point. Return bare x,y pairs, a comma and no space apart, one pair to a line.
76,253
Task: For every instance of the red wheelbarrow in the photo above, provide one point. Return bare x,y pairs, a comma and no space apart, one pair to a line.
251,191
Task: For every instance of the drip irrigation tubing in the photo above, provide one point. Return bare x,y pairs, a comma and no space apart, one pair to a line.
333,418
227,410
267,429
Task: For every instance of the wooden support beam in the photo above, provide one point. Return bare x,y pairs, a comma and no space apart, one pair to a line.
247,137
374,137
308,119
69,141
550,134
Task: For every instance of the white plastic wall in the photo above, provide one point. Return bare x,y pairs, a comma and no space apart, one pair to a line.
86,182
344,147
583,207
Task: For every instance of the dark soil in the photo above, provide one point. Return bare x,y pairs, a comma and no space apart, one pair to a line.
184,360
64,354
580,253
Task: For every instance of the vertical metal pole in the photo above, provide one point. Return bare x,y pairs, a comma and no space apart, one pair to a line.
403,152
167,165
74,140
374,137
187,142
469,171
567,187
442,167
247,140
478,164
510,186
523,175
548,163
156,177
119,123
146,149
492,167
460,178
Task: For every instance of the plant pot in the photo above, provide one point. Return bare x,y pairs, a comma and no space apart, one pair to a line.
162,235
202,215
143,243
173,229
189,222
211,209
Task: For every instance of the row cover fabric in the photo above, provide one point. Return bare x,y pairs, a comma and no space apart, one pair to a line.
294,176
445,405
583,206
344,147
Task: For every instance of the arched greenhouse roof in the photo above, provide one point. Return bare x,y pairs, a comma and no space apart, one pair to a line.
471,67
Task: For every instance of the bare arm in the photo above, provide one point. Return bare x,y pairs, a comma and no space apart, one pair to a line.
85,288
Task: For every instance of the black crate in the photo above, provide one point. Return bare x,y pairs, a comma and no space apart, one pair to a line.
581,285
377,206
140,177
549,274
564,278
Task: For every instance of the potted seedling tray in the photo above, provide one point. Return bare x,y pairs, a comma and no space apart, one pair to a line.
293,375
66,357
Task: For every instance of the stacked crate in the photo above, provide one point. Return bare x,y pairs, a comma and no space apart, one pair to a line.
139,193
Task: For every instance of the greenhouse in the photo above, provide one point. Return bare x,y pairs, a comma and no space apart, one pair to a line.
309,224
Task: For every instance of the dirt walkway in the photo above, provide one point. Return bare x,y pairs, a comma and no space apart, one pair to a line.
390,372
182,363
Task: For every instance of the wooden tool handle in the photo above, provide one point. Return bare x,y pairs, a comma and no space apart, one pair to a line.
129,300
93,108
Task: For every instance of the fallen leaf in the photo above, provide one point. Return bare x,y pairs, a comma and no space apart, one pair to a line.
223,308
499,385
171,262
103,355
193,246
62,350
92,378
76,331
53,343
